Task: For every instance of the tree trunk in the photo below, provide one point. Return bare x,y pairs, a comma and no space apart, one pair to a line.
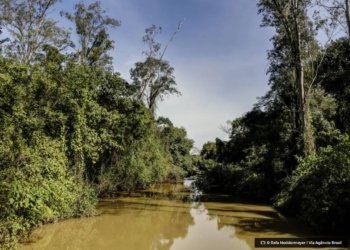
347,15
305,119
304,124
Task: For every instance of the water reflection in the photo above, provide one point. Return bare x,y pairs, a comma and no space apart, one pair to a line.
248,221
167,217
147,221
205,234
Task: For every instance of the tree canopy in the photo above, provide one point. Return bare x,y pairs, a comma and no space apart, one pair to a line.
71,129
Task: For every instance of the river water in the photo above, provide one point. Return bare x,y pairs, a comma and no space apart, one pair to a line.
167,217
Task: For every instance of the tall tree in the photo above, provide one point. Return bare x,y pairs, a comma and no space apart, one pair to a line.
30,29
154,78
290,19
91,24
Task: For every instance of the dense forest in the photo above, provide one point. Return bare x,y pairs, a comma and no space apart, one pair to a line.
293,148
73,130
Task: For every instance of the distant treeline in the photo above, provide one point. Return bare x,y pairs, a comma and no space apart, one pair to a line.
293,148
71,129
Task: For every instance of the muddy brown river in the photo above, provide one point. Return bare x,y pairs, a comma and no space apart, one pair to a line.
167,217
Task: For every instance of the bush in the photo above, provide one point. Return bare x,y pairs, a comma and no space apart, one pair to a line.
319,190
39,189
143,164
233,179
247,179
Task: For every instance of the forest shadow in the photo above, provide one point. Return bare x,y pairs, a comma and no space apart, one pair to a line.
121,225
255,220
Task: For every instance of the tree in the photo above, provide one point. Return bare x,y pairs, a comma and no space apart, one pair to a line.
176,143
295,34
154,80
30,29
317,192
92,25
208,151
335,79
154,77
339,13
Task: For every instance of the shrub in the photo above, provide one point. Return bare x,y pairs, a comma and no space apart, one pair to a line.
38,188
143,164
319,190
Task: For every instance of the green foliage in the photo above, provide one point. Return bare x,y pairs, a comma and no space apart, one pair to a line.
293,59
70,132
153,79
209,151
91,26
144,165
259,152
37,188
37,184
243,182
262,147
112,139
335,77
264,157
176,143
141,160
30,28
324,116
318,191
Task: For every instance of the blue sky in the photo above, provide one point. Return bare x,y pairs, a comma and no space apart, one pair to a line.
219,56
